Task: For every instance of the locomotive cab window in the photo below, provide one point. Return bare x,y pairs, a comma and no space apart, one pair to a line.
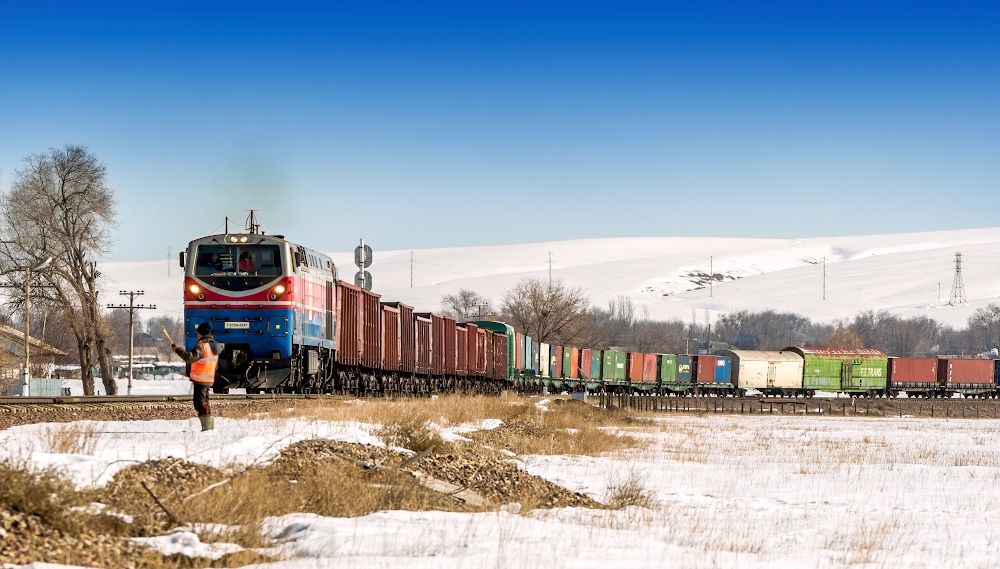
238,267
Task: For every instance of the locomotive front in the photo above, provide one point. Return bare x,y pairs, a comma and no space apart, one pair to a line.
243,286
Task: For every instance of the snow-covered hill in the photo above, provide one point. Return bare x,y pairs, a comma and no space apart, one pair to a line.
668,275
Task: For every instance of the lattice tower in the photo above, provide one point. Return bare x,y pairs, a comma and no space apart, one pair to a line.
957,286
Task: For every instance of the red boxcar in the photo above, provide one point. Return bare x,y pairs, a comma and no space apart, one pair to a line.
913,372
461,350
390,338
359,326
649,368
704,369
450,357
422,329
407,337
586,363
488,350
958,372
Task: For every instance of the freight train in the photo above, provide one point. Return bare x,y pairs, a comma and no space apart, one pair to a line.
291,326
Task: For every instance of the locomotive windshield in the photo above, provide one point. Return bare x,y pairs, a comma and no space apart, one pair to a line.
238,267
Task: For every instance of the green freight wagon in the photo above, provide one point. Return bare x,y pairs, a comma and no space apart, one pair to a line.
674,372
613,368
843,370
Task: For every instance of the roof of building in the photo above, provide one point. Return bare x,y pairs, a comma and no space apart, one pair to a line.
12,341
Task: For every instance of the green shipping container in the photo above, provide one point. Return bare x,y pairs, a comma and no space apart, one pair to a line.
613,368
668,368
843,370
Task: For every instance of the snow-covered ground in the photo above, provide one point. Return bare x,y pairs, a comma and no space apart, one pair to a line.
727,492
898,272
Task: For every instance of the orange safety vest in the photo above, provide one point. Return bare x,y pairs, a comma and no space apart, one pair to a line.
203,370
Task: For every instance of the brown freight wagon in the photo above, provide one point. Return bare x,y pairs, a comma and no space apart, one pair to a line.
390,338
499,355
473,348
480,340
437,342
461,350
422,329
450,339
359,327
488,350
407,337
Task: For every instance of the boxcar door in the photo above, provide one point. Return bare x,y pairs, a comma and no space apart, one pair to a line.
846,370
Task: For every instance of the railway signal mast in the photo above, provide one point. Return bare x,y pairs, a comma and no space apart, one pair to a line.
363,259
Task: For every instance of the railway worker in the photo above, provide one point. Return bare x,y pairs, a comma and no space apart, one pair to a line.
246,263
203,363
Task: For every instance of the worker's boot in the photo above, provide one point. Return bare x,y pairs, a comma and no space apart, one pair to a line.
207,422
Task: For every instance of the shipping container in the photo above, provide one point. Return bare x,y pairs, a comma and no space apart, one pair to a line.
553,362
390,338
996,364
519,346
851,370
544,361
666,368
913,373
703,369
586,364
536,356
359,326
407,337
422,348
958,373
450,355
634,368
722,370
685,371
461,350
765,371
595,365
557,359
649,368
613,367
571,368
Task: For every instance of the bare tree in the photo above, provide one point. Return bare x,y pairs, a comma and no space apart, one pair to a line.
551,313
466,305
59,205
984,324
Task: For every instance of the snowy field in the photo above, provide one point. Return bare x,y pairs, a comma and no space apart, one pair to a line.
899,273
724,492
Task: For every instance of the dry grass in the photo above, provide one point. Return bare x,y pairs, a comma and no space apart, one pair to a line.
70,438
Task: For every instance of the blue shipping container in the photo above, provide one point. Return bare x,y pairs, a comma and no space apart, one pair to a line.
722,369
996,371
683,369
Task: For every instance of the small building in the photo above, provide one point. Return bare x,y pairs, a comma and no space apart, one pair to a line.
41,354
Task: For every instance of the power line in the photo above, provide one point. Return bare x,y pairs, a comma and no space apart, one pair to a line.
132,309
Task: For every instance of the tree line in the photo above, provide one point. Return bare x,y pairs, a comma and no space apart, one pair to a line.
557,314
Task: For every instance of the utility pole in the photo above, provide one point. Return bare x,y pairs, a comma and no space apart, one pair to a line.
824,278
132,308
411,269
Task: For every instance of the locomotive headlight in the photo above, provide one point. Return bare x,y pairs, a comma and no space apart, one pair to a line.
279,289
194,289
244,239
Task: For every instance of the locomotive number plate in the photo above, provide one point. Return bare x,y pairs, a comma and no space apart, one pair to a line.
237,325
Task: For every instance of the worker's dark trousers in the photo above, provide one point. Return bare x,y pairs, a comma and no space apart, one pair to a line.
201,398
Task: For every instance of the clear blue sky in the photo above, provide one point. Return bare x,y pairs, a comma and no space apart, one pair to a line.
438,124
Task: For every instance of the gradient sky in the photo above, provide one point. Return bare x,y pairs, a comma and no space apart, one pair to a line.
446,124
